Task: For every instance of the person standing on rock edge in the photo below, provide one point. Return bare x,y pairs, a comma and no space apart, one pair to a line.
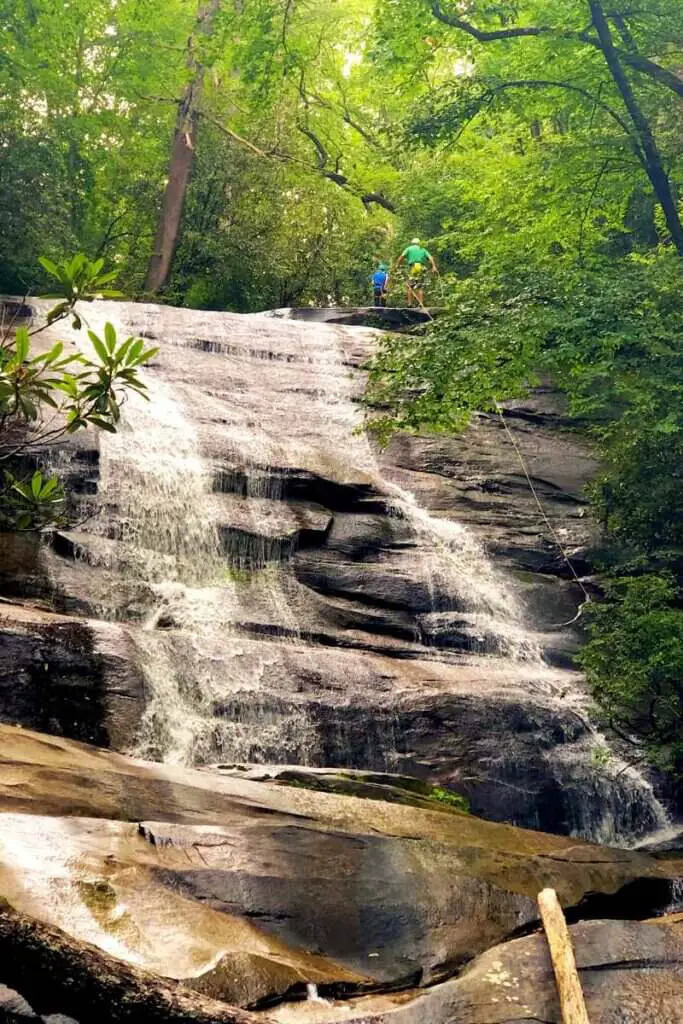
380,285
416,256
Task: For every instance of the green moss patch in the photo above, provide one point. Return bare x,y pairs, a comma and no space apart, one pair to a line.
396,789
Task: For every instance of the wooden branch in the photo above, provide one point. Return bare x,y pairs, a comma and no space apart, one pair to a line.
323,156
252,147
569,988
652,160
376,197
541,83
648,67
51,970
643,65
481,35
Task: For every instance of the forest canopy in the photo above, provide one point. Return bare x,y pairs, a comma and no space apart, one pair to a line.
249,154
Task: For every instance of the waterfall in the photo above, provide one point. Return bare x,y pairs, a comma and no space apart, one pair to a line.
253,432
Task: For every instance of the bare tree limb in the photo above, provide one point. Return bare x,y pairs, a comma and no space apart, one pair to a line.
482,35
540,83
235,137
634,60
323,155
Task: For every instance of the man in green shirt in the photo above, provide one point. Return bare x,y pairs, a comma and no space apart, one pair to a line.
416,256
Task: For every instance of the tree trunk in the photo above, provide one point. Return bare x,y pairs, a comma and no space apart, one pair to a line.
181,162
652,160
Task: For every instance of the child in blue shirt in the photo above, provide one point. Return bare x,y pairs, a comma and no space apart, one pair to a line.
380,285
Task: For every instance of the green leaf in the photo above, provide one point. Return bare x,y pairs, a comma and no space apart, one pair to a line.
22,344
68,385
28,408
50,487
48,265
36,483
103,423
106,278
110,336
134,352
100,349
75,266
50,357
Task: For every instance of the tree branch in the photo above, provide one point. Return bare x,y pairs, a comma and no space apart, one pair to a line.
539,83
323,155
482,35
376,197
367,198
323,158
643,65
652,160
605,164
667,78
234,136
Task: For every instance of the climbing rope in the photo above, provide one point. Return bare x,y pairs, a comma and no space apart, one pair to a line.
551,529
539,504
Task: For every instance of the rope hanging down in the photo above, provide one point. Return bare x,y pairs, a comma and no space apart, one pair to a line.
551,529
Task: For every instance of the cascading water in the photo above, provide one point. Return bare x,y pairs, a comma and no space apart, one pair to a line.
205,495
180,723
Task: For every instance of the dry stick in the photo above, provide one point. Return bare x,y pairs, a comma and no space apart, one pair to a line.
562,957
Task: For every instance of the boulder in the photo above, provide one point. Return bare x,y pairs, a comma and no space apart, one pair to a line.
13,1007
250,890
631,973
55,971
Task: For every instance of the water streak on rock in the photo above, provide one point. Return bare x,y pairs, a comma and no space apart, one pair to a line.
291,601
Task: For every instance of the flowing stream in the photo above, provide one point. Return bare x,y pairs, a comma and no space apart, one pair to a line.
205,495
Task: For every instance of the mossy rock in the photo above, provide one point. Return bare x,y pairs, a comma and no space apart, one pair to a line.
394,789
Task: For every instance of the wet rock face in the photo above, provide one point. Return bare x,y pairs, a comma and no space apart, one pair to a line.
67,676
254,582
479,479
246,891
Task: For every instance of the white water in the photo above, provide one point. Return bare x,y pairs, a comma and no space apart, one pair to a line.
161,484
41,866
274,399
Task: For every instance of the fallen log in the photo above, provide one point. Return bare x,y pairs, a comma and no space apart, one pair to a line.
569,988
56,974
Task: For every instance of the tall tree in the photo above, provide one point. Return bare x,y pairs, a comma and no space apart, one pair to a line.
565,30
182,154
